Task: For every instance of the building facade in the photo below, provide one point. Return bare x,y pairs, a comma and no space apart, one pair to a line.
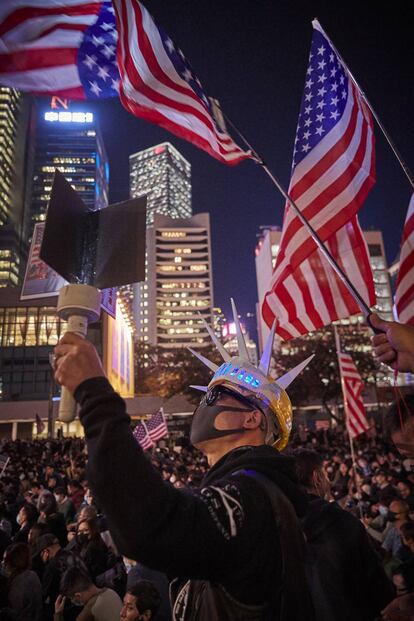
70,141
163,175
266,253
14,129
180,285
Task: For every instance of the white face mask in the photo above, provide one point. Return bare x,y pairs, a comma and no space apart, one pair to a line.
128,566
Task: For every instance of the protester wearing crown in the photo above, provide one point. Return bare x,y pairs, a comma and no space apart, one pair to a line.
233,549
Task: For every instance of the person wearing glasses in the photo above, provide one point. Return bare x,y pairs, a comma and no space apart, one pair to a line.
234,547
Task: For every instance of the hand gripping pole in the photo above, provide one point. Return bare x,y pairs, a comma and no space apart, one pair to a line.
79,305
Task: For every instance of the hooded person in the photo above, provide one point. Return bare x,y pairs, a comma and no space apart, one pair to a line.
234,548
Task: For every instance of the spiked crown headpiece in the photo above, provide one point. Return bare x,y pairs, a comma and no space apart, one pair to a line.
240,375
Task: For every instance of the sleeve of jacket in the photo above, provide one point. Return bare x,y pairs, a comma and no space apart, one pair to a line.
175,531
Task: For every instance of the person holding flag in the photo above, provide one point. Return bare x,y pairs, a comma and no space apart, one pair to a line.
235,546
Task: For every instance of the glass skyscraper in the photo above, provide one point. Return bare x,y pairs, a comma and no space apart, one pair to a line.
71,142
164,175
14,115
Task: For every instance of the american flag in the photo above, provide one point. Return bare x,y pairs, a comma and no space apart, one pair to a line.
404,295
159,85
352,387
140,434
61,47
157,426
332,173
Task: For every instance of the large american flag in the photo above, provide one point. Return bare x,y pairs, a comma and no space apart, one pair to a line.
404,295
141,435
157,426
59,47
158,84
352,387
333,170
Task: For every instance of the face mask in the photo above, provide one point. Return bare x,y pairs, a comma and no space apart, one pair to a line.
128,567
82,538
19,519
87,499
391,516
383,511
76,602
202,425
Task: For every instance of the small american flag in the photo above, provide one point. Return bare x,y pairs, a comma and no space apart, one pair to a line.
352,387
140,434
404,295
65,47
157,426
332,172
159,85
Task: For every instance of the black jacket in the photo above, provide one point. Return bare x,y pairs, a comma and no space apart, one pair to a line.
223,536
347,578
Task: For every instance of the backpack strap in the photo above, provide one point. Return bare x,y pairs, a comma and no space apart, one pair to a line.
295,600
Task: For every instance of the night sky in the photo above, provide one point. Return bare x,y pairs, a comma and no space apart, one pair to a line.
252,56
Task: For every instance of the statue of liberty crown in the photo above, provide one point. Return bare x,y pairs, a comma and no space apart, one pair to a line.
239,374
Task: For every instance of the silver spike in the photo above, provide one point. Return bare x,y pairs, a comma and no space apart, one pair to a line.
223,351
288,377
241,344
201,388
267,352
213,367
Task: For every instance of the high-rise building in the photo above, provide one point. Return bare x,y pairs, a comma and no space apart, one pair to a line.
14,120
266,254
180,287
164,175
70,141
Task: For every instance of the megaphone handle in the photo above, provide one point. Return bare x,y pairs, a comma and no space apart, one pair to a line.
67,405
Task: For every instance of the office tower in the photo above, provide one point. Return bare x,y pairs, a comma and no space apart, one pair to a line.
70,141
14,120
164,175
180,287
266,253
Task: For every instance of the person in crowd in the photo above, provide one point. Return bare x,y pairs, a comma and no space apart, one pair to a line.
340,556
24,588
141,602
65,505
137,572
397,516
222,543
91,547
76,493
56,562
406,493
98,604
25,519
50,516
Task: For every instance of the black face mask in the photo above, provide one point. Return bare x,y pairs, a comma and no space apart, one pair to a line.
202,425
391,517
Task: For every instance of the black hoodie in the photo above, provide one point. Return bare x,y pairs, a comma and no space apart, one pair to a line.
224,533
347,578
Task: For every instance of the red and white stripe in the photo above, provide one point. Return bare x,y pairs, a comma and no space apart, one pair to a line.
329,186
152,89
39,42
352,387
404,295
141,435
311,295
157,426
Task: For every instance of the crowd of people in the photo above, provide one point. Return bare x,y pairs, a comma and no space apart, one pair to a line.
59,560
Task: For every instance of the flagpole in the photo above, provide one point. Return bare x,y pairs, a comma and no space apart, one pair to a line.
388,138
365,309
351,442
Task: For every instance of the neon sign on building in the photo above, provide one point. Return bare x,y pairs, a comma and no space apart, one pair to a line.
64,116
